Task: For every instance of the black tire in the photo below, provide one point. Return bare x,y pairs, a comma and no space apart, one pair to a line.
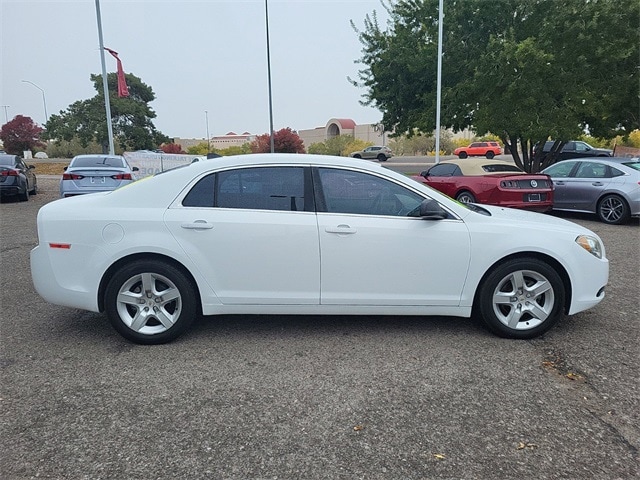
490,155
34,191
24,197
382,157
466,197
532,294
161,320
357,155
613,209
462,155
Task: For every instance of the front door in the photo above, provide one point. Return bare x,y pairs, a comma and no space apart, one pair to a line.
374,252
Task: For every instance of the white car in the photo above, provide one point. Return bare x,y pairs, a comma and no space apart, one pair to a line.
308,234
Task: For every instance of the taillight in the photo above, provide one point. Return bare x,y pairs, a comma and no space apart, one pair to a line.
122,176
509,184
72,176
10,173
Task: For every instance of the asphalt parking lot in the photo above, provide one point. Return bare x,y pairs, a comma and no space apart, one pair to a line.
299,397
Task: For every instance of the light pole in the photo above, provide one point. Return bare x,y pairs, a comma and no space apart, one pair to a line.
6,116
266,16
206,116
105,85
439,79
44,100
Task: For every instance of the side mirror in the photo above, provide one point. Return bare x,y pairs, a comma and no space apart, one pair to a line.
424,173
65,168
431,210
31,167
135,169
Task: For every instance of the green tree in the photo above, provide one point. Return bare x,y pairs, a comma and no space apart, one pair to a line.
20,134
131,117
200,149
526,70
243,149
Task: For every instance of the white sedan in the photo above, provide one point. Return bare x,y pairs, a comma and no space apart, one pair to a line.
308,234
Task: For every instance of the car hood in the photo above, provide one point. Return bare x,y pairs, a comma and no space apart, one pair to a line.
518,218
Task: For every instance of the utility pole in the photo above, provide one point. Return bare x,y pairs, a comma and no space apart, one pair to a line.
105,85
206,116
266,16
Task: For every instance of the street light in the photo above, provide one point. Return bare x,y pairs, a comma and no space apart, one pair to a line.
44,100
206,116
6,116
266,16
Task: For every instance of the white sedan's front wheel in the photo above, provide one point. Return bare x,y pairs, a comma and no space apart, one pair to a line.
521,298
150,302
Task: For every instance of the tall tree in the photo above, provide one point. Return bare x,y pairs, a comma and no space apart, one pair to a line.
526,70
133,128
285,140
20,134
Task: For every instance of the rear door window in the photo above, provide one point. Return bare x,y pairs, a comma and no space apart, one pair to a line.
259,188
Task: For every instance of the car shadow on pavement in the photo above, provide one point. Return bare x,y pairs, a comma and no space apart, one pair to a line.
296,325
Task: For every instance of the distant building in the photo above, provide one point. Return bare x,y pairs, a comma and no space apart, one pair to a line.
187,143
219,142
231,139
371,132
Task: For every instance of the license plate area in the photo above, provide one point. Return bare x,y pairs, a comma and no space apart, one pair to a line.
97,179
534,197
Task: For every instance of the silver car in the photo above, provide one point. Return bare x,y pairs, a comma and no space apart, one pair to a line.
608,187
380,153
96,173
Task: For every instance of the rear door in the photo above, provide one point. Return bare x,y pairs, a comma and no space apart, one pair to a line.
582,190
252,232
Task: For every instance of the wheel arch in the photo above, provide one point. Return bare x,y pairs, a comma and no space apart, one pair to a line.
465,189
523,255
110,272
609,193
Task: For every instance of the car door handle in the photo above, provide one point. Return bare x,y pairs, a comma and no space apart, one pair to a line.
341,230
197,225
597,184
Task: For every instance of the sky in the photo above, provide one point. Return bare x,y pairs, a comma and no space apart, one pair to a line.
197,56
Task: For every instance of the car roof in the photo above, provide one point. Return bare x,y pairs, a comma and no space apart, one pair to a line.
473,166
617,160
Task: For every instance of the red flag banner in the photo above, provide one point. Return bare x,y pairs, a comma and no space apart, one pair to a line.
123,90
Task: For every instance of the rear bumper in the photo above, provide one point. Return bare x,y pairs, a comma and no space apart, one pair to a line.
56,288
10,190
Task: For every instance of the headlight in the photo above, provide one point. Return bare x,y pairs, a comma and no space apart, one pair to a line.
590,244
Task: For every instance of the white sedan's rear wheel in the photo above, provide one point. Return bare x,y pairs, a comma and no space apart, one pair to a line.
150,302
521,298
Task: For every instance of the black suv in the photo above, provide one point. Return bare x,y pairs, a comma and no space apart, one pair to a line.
578,149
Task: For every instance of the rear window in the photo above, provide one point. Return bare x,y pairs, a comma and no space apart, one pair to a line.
635,164
97,162
7,161
500,168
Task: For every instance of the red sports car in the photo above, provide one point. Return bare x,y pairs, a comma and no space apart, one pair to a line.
492,182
